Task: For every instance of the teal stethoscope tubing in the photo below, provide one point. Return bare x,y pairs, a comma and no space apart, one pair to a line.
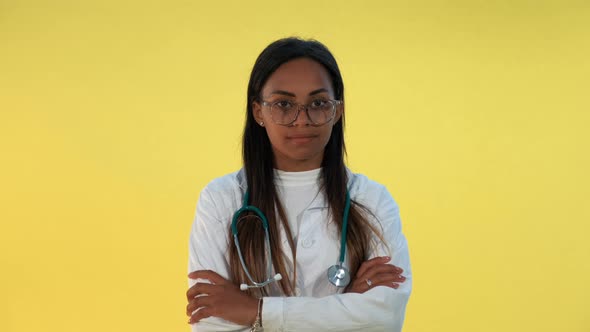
337,274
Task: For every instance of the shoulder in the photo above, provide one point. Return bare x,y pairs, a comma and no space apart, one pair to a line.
372,194
224,193
365,189
226,183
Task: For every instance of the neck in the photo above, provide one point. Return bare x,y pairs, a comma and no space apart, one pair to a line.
298,165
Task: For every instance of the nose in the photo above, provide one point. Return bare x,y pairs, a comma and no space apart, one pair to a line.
302,117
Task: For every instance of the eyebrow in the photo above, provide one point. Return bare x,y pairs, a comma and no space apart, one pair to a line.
290,94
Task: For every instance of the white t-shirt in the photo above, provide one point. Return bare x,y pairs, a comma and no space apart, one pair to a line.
296,192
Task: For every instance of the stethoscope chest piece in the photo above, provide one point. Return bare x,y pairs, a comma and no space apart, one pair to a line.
339,275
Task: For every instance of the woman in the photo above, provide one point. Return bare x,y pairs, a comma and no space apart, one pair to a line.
294,173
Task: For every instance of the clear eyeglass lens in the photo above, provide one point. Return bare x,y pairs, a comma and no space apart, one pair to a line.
320,111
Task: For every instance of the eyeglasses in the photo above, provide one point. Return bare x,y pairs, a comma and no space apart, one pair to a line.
319,111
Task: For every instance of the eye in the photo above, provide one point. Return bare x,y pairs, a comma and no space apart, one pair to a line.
319,103
283,104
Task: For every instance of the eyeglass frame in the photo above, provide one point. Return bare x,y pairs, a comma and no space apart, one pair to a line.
335,103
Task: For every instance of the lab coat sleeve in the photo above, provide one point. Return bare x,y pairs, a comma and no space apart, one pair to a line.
207,248
380,309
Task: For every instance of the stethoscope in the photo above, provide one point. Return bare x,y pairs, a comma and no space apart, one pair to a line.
338,274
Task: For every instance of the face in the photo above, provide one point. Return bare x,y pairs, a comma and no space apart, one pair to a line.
300,145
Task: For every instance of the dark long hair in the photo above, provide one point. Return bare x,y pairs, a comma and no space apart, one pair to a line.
258,166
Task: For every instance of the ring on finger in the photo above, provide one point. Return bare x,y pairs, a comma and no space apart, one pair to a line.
369,282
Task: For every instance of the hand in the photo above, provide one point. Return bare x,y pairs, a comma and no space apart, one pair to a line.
376,272
220,299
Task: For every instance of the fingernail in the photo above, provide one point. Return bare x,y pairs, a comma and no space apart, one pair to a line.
396,286
386,258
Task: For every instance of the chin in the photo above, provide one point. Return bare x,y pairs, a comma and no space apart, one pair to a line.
304,155
301,156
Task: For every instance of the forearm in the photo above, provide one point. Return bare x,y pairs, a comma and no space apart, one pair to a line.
214,324
380,309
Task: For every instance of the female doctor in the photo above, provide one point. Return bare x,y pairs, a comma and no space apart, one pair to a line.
294,241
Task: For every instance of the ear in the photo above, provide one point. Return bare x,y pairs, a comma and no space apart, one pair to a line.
339,111
257,112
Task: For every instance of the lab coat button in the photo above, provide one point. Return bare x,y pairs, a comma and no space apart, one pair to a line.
308,243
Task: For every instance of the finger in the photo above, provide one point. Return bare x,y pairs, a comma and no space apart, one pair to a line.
204,312
372,262
379,269
382,269
209,275
364,285
386,284
198,302
386,278
200,288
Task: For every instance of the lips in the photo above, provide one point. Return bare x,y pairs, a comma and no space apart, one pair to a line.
301,138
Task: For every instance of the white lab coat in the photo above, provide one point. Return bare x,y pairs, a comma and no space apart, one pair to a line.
318,306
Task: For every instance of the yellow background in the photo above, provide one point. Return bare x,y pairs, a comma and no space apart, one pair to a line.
115,114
